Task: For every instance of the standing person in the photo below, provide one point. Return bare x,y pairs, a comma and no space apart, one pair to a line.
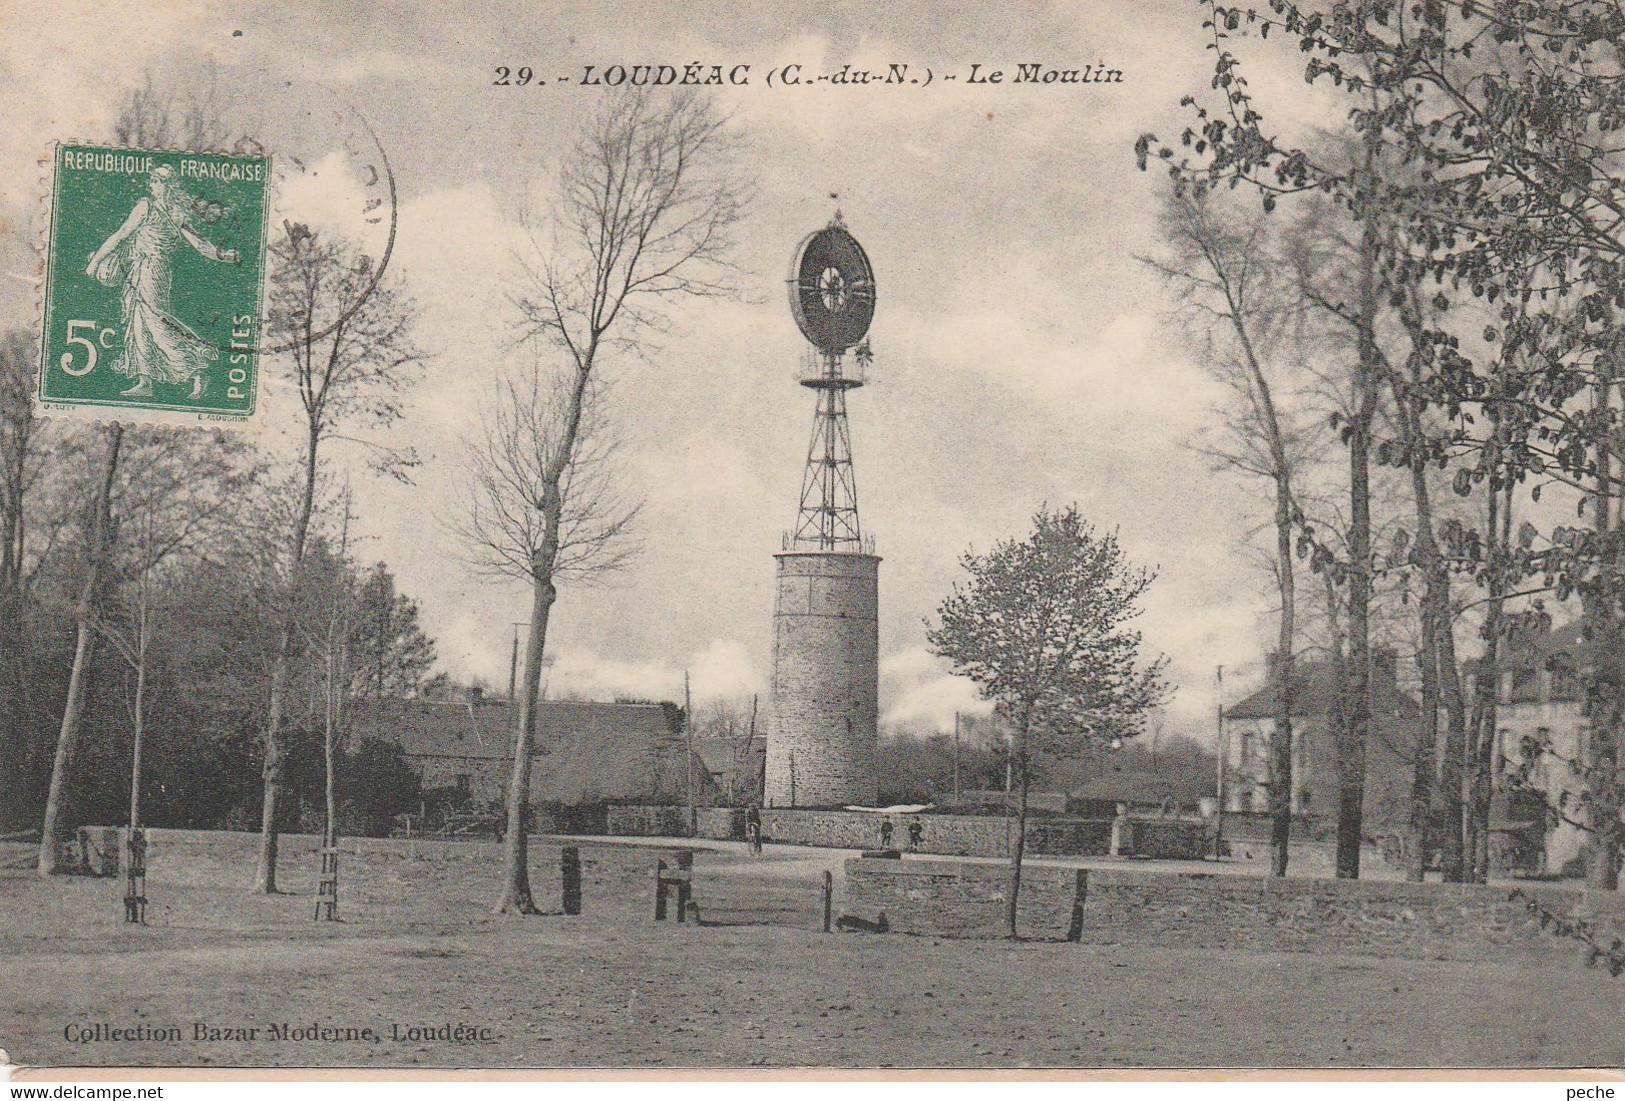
885,834
753,829
915,831
140,257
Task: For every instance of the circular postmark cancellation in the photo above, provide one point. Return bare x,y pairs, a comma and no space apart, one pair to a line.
158,264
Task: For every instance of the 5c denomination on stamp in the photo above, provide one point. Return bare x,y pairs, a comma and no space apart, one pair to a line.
155,275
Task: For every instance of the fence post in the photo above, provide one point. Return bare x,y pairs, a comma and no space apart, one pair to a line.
660,891
829,896
685,888
135,879
570,879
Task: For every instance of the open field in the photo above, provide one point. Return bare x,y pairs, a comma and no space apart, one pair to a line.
418,949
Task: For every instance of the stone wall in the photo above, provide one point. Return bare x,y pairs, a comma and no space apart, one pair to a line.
720,823
938,898
1215,911
716,823
1162,838
940,834
826,680
646,821
1360,917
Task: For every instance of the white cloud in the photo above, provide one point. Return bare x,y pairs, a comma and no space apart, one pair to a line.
921,693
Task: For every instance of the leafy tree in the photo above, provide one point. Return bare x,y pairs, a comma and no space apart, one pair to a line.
1503,118
1041,626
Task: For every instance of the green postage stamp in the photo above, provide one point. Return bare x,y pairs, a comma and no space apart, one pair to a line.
154,279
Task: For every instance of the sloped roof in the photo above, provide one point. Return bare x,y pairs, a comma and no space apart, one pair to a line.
585,752
1525,650
1314,691
721,755
1129,787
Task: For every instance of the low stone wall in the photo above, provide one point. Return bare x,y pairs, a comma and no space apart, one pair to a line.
1308,858
720,823
938,898
1213,911
1360,917
940,834
1162,838
716,823
1068,836
644,821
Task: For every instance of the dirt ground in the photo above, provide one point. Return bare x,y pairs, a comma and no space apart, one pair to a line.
611,988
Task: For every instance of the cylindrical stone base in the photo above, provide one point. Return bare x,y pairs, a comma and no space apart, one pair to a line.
826,680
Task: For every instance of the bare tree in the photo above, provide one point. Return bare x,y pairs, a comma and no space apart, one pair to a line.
645,206
349,357
1225,265
183,492
21,462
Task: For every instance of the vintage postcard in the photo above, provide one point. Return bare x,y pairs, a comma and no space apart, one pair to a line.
812,538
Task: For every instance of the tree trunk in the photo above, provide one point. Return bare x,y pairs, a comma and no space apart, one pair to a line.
1019,849
330,722
1604,686
78,679
1435,622
140,727
15,727
1357,706
1481,744
516,896
281,670
1280,771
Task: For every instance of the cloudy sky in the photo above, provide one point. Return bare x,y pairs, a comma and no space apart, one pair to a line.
1023,354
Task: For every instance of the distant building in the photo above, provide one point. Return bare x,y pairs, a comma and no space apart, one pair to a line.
1389,757
1540,698
1135,792
734,768
585,752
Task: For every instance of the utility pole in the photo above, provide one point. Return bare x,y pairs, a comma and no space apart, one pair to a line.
688,734
1218,754
513,661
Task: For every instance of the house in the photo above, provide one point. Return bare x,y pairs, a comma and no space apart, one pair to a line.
1540,703
734,767
585,752
1390,752
1135,792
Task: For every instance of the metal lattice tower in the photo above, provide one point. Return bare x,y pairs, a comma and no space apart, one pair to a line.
828,519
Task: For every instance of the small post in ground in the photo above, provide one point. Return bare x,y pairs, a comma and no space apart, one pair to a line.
570,879
135,878
327,892
829,897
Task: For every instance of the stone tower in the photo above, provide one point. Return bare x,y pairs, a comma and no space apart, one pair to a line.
826,616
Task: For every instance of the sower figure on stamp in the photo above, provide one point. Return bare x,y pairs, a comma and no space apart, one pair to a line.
139,255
